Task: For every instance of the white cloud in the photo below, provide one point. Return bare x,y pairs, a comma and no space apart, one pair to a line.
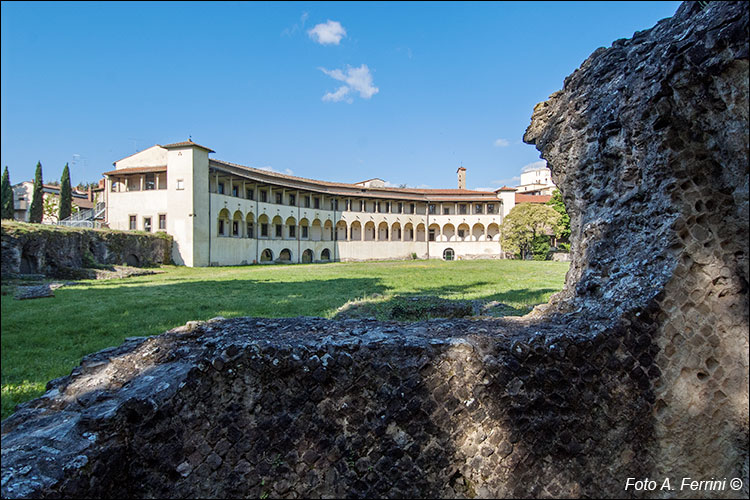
330,32
297,26
356,80
287,171
501,143
342,93
534,166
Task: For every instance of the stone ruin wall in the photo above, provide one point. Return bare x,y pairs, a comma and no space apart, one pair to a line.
62,252
638,368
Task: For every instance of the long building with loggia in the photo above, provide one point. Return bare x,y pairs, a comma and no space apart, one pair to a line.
221,213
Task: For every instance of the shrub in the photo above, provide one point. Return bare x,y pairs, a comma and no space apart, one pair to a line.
540,248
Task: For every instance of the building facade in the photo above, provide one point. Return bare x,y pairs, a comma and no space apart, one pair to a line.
221,213
23,194
536,181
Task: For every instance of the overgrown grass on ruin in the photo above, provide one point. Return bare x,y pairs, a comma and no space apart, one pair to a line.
45,338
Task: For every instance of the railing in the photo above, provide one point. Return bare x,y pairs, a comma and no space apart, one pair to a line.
84,218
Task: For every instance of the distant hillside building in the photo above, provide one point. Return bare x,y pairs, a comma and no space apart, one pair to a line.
23,193
221,213
536,181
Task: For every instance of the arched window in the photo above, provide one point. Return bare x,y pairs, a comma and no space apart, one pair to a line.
307,256
266,255
448,254
325,255
285,255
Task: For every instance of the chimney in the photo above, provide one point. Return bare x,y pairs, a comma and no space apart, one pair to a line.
461,178
90,194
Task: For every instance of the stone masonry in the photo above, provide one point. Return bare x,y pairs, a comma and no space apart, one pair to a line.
638,368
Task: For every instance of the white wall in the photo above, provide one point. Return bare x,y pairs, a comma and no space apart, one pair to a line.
155,156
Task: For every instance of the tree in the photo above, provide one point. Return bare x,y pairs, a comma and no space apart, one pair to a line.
37,201
51,208
524,223
6,205
557,203
66,195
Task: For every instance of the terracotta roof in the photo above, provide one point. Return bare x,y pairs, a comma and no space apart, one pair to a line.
532,198
187,143
460,168
463,194
84,203
136,170
505,188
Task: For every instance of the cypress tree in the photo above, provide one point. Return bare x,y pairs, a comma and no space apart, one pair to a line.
37,206
6,206
66,195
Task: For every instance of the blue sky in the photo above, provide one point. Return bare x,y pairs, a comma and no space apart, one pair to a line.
407,92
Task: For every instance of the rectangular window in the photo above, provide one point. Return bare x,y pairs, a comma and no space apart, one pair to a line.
236,191
400,208
250,230
304,231
249,194
147,224
490,208
220,188
292,200
462,209
161,181
377,207
361,205
478,208
221,227
412,208
132,222
432,208
150,182
307,202
278,198
292,231
335,204
134,183
446,210
278,230
180,184
387,207
235,228
432,234
163,222
316,202
264,230
263,196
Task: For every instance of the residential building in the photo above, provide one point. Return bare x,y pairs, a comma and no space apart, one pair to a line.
23,193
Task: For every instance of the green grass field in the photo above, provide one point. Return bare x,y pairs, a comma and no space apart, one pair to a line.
45,338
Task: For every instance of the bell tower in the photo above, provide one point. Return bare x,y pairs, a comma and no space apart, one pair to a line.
461,178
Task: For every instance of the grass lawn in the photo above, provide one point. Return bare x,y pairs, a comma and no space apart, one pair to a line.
45,338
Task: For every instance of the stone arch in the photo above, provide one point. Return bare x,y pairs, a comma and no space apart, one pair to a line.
250,225
264,222
493,232
355,231
285,255
316,230
325,255
369,231
396,233
304,234
236,229
307,256
290,228
408,232
477,232
421,233
266,255
327,230
383,232
222,228
449,232
435,229
466,232
341,230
